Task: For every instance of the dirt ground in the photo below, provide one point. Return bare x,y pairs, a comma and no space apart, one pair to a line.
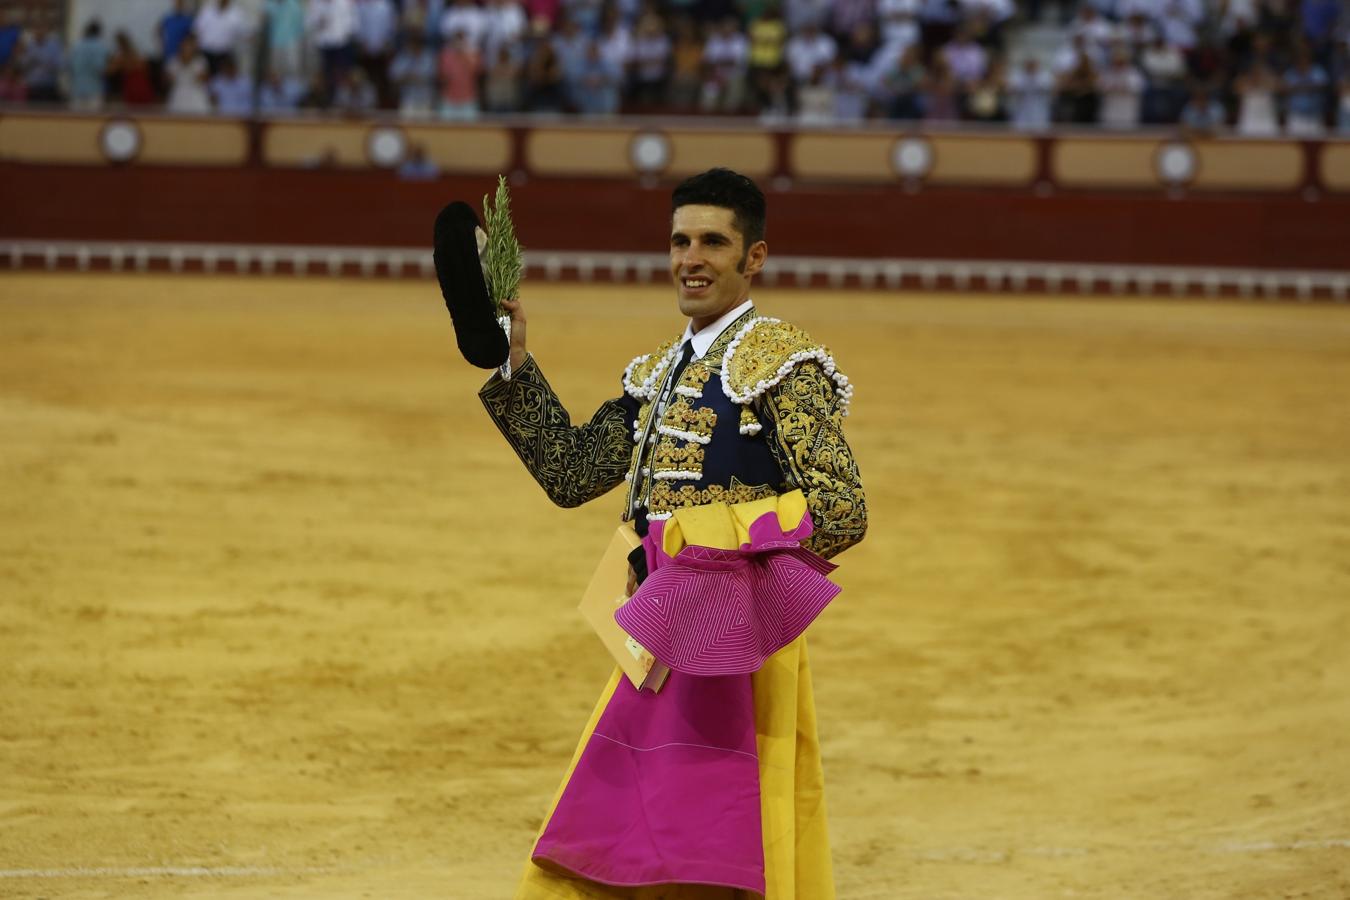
281,616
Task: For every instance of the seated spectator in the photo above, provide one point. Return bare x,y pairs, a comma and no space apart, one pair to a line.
1031,93
545,87
808,53
220,26
460,66
900,91
1136,33
44,58
815,98
1095,31
186,75
285,37
984,98
355,95
1121,88
1072,54
725,60
280,93
869,61
502,83
852,99
650,72
131,72
967,60
1203,112
1305,86
413,75
941,92
1178,20
232,89
1257,92
1165,69
595,84
417,167
1077,97
88,68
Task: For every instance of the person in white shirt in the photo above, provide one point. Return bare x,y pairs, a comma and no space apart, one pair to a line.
187,75
376,25
220,26
332,29
503,27
1031,95
725,58
1122,88
967,60
808,51
465,18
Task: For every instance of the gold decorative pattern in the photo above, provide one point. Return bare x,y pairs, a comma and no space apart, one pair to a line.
668,456
808,442
642,378
764,351
573,464
666,497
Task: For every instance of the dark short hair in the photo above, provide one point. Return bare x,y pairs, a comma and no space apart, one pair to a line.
729,190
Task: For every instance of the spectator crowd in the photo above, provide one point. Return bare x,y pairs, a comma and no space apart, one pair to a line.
1258,66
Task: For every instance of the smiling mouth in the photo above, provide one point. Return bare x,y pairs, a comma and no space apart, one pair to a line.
695,283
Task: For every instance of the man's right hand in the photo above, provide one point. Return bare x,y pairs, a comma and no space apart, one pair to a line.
517,311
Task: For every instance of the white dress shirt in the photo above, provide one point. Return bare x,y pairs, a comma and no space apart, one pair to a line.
705,336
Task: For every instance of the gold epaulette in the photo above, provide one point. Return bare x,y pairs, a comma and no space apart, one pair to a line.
765,351
642,378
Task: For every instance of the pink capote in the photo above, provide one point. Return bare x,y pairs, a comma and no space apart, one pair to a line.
667,787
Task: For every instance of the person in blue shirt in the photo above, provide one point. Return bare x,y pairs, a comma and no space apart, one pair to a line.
232,90
88,68
175,25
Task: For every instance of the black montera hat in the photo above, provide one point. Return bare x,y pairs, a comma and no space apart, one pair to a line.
477,333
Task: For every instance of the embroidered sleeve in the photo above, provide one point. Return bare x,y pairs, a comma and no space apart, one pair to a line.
572,463
805,411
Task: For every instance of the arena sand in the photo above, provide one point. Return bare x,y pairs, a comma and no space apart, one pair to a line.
283,617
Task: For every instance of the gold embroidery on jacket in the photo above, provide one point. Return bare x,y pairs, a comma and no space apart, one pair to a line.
667,497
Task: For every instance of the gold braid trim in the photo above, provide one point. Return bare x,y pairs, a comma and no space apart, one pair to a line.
572,463
764,351
808,442
642,379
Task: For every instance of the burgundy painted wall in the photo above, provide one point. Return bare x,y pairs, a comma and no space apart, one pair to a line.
257,205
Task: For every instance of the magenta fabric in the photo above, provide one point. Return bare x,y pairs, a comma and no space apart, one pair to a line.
724,612
666,790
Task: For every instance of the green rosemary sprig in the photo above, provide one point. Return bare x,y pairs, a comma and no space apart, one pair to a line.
503,264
